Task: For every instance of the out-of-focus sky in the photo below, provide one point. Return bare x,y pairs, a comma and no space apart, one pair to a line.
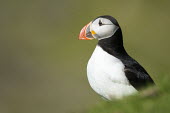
43,64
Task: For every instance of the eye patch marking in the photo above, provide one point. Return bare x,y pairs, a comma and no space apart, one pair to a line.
100,23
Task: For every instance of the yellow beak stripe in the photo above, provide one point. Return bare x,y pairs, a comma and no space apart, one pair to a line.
93,32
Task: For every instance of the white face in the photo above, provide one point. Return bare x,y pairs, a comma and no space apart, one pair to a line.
103,28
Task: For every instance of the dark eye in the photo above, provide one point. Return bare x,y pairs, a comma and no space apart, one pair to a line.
100,23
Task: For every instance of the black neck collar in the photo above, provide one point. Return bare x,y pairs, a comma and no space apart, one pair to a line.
114,44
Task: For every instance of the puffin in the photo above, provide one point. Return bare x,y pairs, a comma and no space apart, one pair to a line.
111,72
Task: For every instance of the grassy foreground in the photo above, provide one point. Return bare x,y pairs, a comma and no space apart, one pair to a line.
156,103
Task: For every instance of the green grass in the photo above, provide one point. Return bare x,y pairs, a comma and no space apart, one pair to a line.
156,102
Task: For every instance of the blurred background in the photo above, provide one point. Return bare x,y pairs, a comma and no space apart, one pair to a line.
43,64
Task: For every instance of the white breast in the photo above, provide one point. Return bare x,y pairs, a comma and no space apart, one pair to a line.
106,75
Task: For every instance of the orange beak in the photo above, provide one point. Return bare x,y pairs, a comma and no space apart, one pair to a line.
85,33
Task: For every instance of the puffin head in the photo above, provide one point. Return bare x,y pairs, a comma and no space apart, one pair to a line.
100,28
